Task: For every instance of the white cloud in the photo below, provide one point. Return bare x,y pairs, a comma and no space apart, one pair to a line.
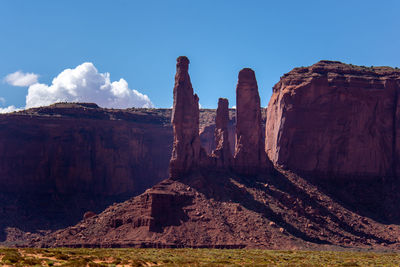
234,107
9,109
6,109
85,84
19,78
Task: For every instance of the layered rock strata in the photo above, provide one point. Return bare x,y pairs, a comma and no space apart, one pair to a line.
58,162
275,210
334,119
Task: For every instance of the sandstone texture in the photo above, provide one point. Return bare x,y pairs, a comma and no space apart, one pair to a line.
207,128
328,126
336,120
60,161
187,153
279,211
250,156
222,152
79,148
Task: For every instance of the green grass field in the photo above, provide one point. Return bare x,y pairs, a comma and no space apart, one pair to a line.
191,257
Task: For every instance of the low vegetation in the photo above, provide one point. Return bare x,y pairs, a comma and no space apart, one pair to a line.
191,257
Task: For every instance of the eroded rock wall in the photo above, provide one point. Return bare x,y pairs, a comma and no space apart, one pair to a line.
335,119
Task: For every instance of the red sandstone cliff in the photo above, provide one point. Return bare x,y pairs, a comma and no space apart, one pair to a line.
60,161
245,206
70,149
337,119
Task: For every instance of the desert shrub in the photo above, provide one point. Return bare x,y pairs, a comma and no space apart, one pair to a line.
117,261
61,256
348,264
32,261
12,256
76,263
138,263
93,264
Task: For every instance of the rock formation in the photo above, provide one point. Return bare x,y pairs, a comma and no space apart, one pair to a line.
60,161
202,206
222,152
207,130
79,157
187,153
250,157
334,119
225,211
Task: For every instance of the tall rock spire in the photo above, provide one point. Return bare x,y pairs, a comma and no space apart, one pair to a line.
186,151
222,152
250,156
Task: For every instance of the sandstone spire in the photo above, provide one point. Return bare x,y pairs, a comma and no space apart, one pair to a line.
185,121
222,152
250,156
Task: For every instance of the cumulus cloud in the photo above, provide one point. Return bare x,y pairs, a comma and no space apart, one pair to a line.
19,78
85,84
9,109
2,101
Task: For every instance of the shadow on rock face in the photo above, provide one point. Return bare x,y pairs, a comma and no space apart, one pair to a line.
221,209
174,205
291,202
375,197
34,212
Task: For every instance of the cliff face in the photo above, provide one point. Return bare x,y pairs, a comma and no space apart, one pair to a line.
336,119
78,149
60,161
241,201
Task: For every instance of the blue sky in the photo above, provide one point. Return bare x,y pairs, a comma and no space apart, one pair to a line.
139,41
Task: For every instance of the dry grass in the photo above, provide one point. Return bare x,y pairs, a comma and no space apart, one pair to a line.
191,257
